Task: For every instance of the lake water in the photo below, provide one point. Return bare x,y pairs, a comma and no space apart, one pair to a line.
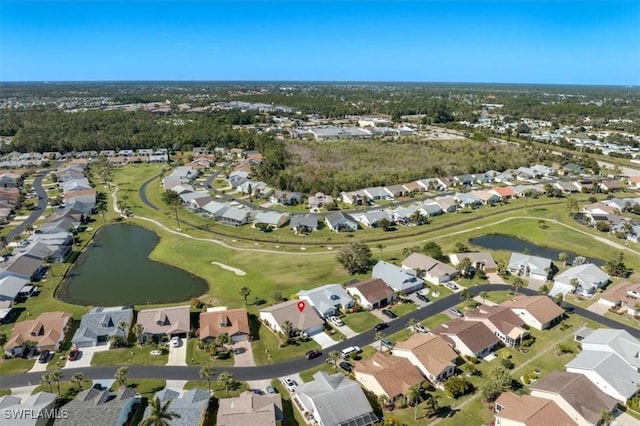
116,270
509,243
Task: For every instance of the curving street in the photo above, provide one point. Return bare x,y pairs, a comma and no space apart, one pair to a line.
41,205
297,365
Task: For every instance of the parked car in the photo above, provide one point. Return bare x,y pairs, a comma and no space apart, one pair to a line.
312,354
387,343
175,341
456,312
422,298
348,351
451,285
290,383
74,354
336,321
271,390
380,326
44,356
421,328
389,314
346,366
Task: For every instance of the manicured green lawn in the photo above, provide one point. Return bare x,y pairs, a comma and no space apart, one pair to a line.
267,350
15,366
146,387
360,321
217,388
307,375
4,391
197,356
401,309
136,355
68,390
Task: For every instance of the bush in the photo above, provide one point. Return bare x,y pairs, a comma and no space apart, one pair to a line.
565,348
507,363
400,403
472,359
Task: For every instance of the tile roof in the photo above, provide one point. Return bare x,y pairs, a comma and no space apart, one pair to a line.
231,322
165,320
373,290
428,264
250,408
394,374
532,411
433,352
288,311
540,307
474,335
46,330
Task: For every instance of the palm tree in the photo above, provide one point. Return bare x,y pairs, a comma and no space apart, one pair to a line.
517,284
122,328
606,417
407,251
431,404
207,372
138,329
464,266
245,292
160,414
46,379
484,296
411,324
466,295
4,242
101,208
380,247
56,375
379,336
122,375
574,284
3,341
29,229
287,329
173,200
334,357
415,395
77,379
563,257
227,379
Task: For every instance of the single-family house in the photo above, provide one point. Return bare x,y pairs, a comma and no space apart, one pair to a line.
10,180
576,395
233,322
616,341
328,299
286,198
506,176
377,193
470,338
335,400
611,185
97,325
373,219
13,286
583,279
396,191
412,187
96,406
386,375
431,270
534,267
539,312
502,321
318,200
623,297
480,261
170,322
504,192
237,178
526,410
467,199
403,215
371,294
191,406
525,190
567,187
465,180
27,409
447,204
340,222
47,332
430,353
250,408
234,216
272,218
356,198
307,322
304,223
487,196
399,279
431,209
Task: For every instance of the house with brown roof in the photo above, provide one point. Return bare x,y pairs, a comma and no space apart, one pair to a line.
249,408
481,261
431,270
308,321
47,332
470,338
234,323
387,375
170,322
611,185
371,294
502,321
624,298
539,312
430,353
526,410
413,187
576,395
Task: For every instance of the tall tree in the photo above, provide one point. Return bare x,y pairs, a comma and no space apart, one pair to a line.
518,283
56,375
227,379
77,379
245,292
46,379
159,413
433,250
379,336
355,257
3,341
138,330
173,200
122,376
207,372
334,357
101,207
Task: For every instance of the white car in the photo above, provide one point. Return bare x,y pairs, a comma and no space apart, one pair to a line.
290,383
175,341
336,321
421,328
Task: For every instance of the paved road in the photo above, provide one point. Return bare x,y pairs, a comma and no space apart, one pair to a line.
296,365
143,193
41,205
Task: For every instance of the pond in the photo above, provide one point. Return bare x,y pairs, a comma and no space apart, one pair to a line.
116,270
509,243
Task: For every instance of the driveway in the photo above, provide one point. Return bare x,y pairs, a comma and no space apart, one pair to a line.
625,419
86,355
598,308
378,313
178,356
324,340
38,367
243,354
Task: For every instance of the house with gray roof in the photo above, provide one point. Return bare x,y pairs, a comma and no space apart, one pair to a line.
249,186
431,270
431,209
96,406
335,400
191,406
328,299
613,340
396,190
584,279
286,198
373,219
567,187
399,279
304,223
12,286
447,204
215,208
402,214
26,264
308,321
534,267
250,408
275,219
378,193
97,325
234,216
467,199
340,222
40,402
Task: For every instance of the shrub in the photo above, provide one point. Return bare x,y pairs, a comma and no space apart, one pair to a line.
507,363
400,403
565,348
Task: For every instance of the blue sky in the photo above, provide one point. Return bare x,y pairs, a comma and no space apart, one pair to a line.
563,42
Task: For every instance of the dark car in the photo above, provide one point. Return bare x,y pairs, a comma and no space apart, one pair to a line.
389,314
312,354
380,326
44,356
346,366
387,343
422,297
74,354
569,309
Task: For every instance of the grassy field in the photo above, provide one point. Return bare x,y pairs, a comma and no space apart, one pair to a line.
15,366
360,321
136,355
217,388
197,356
266,348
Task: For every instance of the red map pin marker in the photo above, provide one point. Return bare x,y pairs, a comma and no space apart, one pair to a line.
301,306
